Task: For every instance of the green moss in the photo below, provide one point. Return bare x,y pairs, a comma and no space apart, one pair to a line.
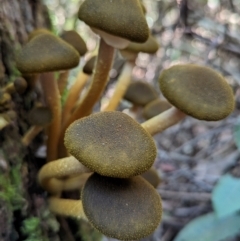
11,189
32,229
88,233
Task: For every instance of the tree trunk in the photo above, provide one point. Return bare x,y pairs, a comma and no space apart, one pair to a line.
23,208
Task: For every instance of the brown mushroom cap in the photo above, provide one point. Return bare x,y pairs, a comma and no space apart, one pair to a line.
89,65
155,107
152,177
74,39
140,93
111,144
124,18
150,46
37,32
20,85
197,91
126,209
46,52
40,116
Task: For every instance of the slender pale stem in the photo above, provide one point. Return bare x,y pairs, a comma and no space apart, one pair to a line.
31,134
51,172
67,207
74,183
53,101
99,80
121,87
162,121
62,81
73,95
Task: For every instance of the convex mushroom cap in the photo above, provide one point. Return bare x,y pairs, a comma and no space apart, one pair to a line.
150,46
124,19
131,51
89,65
126,209
152,177
46,52
197,91
37,32
111,144
74,39
40,116
140,93
155,107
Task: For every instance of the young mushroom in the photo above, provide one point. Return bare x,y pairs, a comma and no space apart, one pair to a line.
125,209
140,93
155,107
18,86
39,117
76,41
152,177
193,90
44,54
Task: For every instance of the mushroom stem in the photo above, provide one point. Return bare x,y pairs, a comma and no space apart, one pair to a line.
67,207
31,134
50,173
162,121
121,87
53,101
100,78
73,95
62,81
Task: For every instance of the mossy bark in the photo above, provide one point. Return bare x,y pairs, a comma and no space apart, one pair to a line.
23,209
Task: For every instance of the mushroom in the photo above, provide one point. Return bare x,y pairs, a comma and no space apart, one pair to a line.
155,107
76,41
118,208
109,143
193,90
43,54
103,18
140,93
130,53
18,86
39,117
152,177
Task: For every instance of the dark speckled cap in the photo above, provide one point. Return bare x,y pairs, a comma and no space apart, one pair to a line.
125,209
123,18
198,91
111,144
46,52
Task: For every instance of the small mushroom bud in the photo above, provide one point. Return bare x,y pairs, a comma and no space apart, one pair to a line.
140,93
155,107
39,117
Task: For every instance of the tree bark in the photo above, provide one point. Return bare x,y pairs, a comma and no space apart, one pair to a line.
23,209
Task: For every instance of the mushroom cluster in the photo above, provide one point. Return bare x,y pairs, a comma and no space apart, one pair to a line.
109,154
117,150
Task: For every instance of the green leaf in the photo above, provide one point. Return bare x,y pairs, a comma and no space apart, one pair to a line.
226,196
236,134
210,228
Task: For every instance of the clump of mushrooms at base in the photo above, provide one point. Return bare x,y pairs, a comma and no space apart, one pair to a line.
111,149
